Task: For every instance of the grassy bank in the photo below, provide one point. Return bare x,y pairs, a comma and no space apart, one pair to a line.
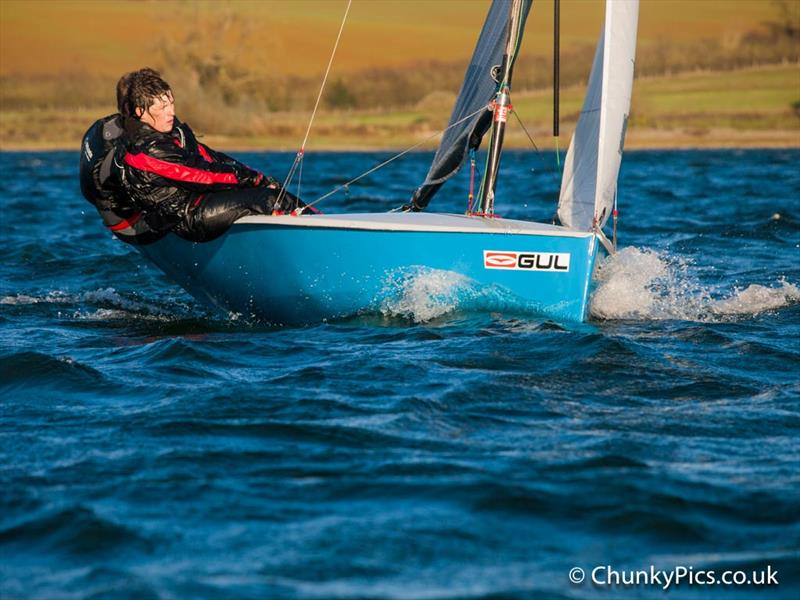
749,107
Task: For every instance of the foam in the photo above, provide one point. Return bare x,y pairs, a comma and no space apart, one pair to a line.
648,285
108,314
758,298
424,294
24,299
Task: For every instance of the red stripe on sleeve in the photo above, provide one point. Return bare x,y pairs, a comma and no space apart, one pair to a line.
204,153
177,172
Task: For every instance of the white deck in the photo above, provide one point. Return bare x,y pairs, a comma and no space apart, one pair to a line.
422,221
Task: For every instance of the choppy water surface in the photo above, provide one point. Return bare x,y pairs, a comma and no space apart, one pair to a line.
151,449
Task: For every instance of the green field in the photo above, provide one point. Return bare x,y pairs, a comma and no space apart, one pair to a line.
750,99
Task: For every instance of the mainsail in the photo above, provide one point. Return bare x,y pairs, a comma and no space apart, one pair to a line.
589,181
477,90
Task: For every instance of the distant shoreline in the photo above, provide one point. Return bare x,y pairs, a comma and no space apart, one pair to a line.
651,139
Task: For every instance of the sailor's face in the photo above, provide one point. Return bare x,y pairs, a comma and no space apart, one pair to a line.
161,114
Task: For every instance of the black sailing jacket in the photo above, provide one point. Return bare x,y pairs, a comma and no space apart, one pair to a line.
101,182
167,173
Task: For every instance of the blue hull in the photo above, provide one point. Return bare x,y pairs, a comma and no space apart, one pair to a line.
288,274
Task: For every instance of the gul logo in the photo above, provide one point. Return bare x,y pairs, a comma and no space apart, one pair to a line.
526,261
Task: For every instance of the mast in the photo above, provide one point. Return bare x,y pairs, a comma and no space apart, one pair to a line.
502,108
556,65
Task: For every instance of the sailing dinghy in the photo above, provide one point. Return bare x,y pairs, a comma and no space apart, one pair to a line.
312,267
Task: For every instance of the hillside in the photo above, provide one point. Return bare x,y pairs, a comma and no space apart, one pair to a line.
283,38
246,73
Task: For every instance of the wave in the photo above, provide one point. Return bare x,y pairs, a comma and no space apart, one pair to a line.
645,284
21,368
75,530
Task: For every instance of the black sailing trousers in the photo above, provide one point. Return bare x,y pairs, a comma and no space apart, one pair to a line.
217,211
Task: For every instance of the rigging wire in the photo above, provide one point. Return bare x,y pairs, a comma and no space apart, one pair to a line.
301,153
395,157
539,152
535,147
525,129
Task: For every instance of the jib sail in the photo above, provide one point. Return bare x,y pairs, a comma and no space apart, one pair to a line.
477,90
589,182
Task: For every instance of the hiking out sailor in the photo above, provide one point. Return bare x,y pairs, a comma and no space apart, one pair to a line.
102,150
171,181
181,184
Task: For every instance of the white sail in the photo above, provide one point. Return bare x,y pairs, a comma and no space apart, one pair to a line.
589,181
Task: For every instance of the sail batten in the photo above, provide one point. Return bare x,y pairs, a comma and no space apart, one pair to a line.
477,90
591,169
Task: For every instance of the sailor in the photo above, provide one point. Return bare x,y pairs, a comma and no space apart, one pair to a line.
101,178
180,184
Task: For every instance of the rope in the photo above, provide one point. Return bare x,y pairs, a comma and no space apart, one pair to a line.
395,157
302,150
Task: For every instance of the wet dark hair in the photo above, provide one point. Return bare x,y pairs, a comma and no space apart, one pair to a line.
140,89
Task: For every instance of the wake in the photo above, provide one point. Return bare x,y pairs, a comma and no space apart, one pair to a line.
648,285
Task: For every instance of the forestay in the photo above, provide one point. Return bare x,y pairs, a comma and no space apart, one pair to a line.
477,90
589,181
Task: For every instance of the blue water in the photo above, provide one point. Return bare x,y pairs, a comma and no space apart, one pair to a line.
152,449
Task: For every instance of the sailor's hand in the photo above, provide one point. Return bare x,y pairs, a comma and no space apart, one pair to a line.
273,184
269,182
250,178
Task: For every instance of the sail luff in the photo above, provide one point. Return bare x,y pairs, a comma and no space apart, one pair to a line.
579,177
617,90
592,166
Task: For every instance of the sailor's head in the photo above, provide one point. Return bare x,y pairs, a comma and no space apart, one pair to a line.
144,95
